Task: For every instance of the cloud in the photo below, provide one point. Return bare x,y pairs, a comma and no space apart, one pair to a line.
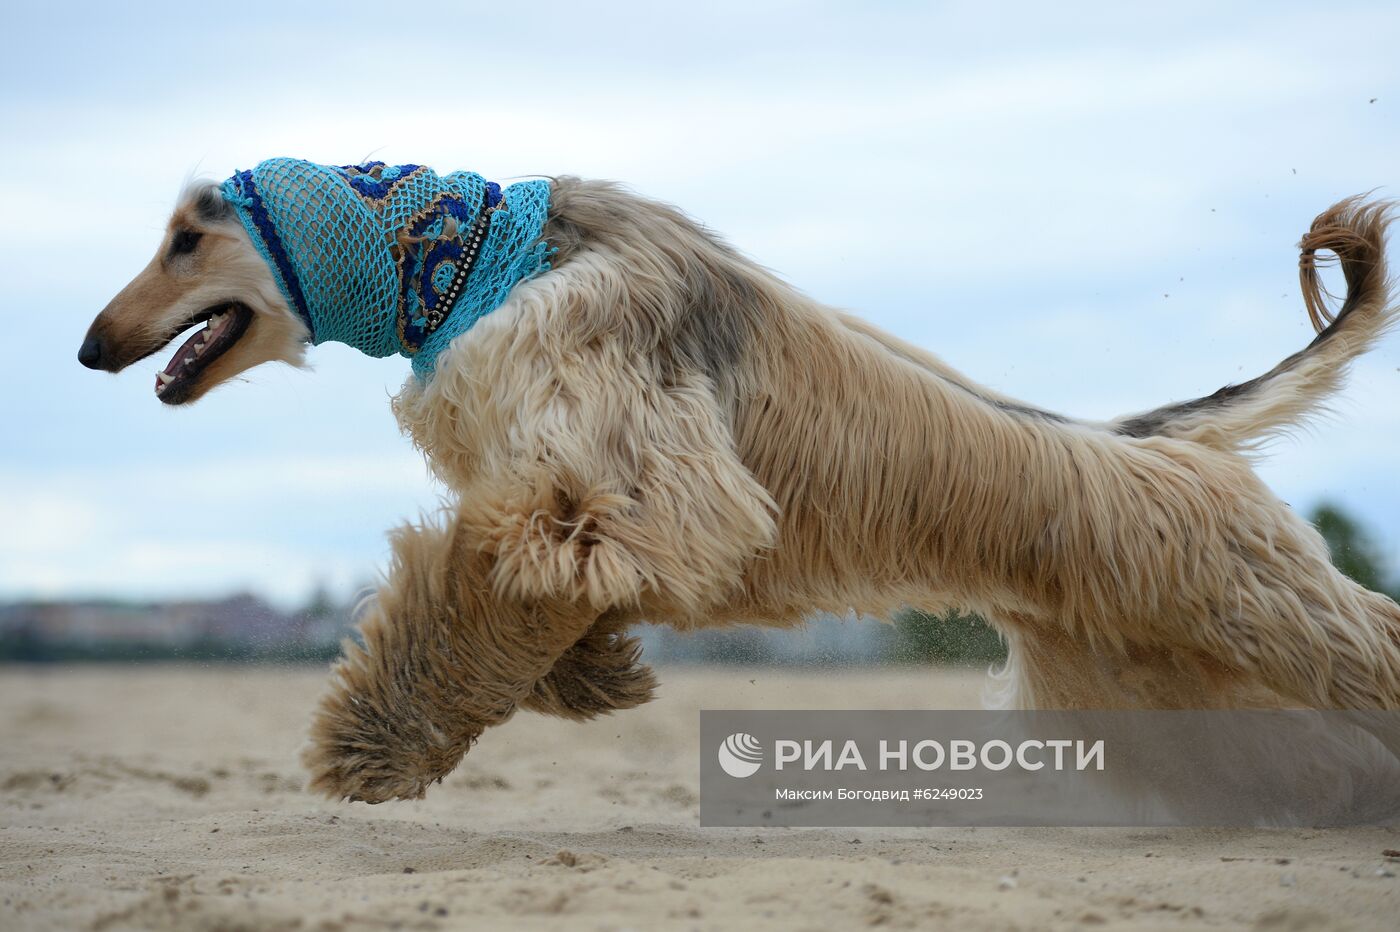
1095,213
271,524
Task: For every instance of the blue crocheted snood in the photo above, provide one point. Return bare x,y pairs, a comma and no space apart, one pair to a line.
391,258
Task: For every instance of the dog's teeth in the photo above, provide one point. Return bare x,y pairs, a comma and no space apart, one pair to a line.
165,379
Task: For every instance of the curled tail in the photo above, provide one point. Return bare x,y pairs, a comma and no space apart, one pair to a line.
1241,417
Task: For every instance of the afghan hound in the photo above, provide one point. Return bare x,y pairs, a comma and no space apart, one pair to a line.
650,427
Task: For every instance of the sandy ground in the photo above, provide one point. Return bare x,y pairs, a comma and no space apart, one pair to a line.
170,798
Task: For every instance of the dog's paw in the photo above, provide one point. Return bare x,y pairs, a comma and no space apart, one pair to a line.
376,737
349,775
357,753
601,673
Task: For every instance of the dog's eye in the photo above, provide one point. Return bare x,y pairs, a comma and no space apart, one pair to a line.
184,241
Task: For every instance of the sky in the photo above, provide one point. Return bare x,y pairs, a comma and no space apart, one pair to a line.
1090,207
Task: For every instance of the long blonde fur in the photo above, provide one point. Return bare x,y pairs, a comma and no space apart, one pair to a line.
659,430
779,458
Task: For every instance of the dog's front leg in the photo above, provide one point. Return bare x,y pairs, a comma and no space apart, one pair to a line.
442,658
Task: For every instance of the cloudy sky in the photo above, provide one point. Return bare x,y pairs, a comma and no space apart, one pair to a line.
1089,207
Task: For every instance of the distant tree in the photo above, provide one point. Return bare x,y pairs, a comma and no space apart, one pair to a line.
1354,551
321,605
950,639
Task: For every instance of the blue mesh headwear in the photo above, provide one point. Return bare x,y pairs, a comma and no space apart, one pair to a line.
391,258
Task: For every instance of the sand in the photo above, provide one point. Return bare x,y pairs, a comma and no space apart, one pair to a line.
170,798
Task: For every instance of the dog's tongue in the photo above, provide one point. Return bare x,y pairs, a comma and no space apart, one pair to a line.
185,357
187,353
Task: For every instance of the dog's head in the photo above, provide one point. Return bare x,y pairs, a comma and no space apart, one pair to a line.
206,274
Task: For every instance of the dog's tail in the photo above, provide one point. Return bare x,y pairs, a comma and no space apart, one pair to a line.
1242,417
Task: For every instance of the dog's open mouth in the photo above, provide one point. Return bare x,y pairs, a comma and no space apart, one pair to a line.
223,324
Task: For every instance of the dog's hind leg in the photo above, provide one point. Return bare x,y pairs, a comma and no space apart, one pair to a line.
1277,615
601,673
1301,628
442,659
1288,769
1184,549
1051,669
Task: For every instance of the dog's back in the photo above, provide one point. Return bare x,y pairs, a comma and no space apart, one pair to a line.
897,480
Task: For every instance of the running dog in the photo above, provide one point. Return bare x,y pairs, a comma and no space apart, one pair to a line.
637,423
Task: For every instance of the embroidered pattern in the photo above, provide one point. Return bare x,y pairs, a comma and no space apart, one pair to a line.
391,258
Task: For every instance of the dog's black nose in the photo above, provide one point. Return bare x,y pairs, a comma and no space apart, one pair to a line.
91,353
